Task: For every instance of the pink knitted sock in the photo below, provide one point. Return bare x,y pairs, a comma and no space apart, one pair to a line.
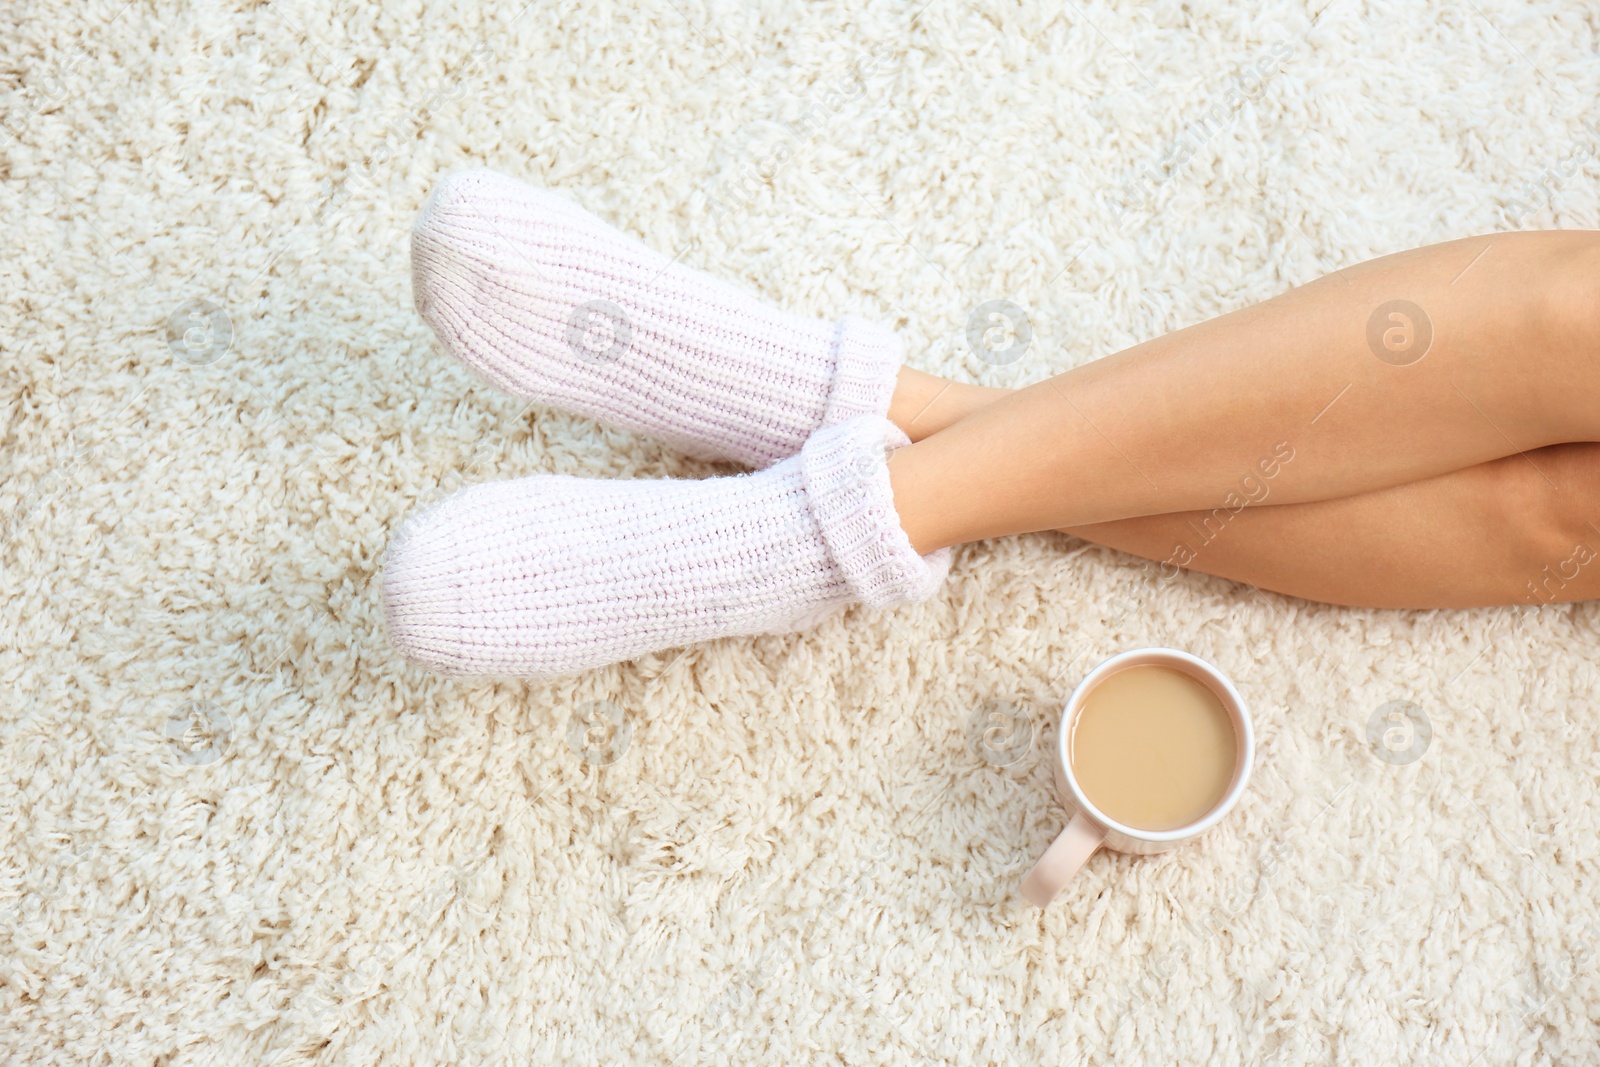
552,574
551,304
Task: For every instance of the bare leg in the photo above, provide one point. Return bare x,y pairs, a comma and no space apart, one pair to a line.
1514,530
1496,533
1288,392
924,404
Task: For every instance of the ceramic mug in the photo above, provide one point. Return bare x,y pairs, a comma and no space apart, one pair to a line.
1090,828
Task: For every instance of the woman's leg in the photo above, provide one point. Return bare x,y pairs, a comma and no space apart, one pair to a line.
923,404
1493,534
1287,400
1521,529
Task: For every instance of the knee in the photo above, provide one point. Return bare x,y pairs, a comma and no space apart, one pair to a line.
1572,291
1572,484
1549,499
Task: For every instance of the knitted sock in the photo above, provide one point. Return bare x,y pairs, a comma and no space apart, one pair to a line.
550,304
552,574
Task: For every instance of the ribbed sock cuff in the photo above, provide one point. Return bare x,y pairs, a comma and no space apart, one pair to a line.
867,359
847,487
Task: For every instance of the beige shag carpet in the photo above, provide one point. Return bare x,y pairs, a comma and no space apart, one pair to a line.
236,828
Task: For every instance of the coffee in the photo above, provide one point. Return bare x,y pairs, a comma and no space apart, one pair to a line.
1153,748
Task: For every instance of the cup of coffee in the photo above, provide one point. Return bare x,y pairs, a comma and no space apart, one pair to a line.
1155,747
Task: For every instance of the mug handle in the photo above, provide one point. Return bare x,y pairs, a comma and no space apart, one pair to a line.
1069,851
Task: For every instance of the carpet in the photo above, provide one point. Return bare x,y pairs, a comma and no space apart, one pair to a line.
236,828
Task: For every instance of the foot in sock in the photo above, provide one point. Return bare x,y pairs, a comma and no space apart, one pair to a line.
551,574
552,305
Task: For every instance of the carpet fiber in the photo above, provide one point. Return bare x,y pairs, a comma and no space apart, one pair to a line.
236,828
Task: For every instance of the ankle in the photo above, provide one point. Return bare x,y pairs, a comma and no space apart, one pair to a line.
919,504
923,404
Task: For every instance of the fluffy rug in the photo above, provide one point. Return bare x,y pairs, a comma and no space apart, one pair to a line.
237,829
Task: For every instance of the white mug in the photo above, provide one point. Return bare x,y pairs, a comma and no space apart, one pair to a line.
1091,829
